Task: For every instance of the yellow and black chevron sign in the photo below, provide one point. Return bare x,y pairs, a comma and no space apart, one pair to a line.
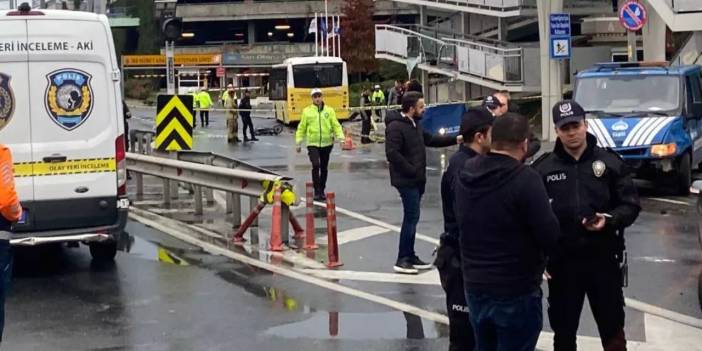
174,122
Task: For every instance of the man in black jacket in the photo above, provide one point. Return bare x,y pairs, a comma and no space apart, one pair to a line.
405,143
475,129
245,113
506,229
594,198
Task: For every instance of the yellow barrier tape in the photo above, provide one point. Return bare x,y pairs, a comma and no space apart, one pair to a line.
83,166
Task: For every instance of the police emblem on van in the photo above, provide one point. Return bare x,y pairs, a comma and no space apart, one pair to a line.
69,97
620,126
7,100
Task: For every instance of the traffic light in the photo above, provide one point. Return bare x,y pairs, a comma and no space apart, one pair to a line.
171,28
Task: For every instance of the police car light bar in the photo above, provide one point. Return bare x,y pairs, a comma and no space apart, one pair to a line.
618,65
25,10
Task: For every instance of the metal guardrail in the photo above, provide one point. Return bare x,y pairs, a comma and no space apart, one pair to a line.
202,172
488,5
487,59
199,176
242,182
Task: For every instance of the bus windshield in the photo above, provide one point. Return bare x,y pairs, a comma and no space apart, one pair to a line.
320,75
624,94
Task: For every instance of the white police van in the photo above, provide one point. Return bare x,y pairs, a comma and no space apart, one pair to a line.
61,115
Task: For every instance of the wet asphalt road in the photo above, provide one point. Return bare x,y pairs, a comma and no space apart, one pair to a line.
61,301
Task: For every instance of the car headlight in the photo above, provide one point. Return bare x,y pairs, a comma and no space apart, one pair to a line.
663,150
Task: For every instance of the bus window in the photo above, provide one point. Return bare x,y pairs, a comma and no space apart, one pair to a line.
320,75
278,84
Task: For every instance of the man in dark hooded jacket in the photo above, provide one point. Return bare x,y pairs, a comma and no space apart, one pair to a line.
405,143
475,130
506,230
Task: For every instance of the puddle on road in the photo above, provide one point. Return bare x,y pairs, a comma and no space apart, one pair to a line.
150,251
361,326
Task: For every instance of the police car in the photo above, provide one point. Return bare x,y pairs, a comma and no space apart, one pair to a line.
649,113
61,115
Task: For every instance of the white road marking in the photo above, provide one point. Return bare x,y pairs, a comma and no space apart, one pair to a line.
660,331
377,222
427,278
355,234
675,202
663,313
654,259
173,210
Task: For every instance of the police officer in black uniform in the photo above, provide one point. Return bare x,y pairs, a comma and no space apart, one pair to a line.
594,198
475,129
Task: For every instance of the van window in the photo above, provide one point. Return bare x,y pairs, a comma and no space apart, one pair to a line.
694,88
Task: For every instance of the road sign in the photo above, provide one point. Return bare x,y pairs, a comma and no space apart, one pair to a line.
559,24
220,72
174,122
633,16
180,59
560,48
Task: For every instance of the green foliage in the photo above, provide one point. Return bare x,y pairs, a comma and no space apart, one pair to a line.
139,89
358,37
149,34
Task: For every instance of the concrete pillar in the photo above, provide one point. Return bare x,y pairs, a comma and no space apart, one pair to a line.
464,23
422,16
502,29
654,33
551,80
252,32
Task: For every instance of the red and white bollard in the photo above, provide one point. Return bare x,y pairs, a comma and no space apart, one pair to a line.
238,238
276,242
333,245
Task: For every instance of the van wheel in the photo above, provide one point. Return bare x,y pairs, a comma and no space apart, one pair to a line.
105,251
684,176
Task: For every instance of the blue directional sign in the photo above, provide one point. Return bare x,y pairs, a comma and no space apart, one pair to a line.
560,24
633,16
560,36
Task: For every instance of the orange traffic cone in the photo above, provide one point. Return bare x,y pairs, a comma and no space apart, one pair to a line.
348,142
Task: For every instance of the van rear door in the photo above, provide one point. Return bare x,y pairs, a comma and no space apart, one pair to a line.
75,123
15,121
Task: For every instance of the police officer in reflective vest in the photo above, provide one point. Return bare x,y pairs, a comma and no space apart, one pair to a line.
594,198
475,130
10,213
